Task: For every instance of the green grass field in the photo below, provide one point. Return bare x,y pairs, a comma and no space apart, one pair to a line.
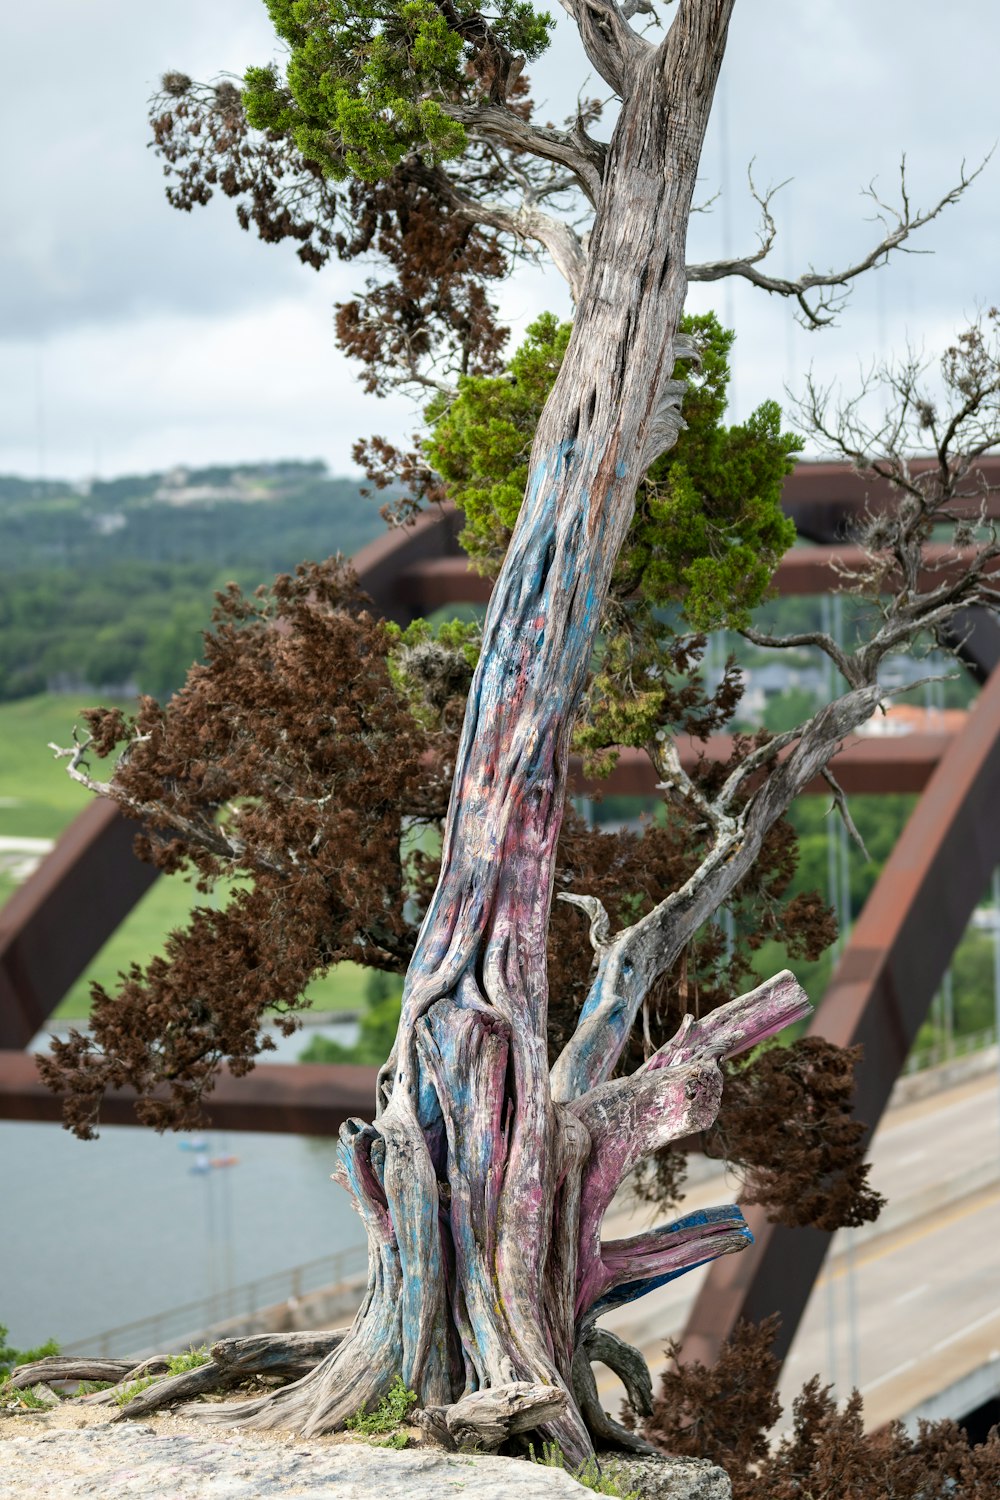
38,800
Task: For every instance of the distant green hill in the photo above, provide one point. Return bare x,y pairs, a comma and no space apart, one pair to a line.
108,586
266,516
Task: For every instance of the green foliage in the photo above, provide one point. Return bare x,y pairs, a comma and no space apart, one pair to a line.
366,84
376,1033
393,1409
708,529
91,1387
191,1359
452,635
432,666
707,533
588,1474
480,442
10,1357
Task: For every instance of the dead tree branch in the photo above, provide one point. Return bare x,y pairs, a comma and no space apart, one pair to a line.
832,287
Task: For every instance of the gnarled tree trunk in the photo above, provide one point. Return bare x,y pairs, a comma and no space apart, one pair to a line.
482,1186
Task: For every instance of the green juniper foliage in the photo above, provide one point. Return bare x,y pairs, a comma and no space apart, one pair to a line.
709,530
368,83
432,665
707,534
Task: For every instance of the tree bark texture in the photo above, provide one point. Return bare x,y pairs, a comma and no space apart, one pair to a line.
482,1187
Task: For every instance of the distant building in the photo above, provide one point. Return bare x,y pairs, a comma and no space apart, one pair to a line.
908,718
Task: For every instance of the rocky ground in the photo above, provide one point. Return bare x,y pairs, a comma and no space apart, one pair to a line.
68,1453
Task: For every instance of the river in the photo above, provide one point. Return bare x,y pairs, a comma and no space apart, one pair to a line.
94,1234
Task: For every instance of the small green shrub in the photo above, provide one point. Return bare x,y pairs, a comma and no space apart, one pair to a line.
91,1387
9,1357
393,1409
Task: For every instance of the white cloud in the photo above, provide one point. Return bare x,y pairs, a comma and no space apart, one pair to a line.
162,390
150,337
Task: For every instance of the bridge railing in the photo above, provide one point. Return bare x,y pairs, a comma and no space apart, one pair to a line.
948,1048
204,1318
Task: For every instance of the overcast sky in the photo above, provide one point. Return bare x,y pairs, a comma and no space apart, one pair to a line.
133,337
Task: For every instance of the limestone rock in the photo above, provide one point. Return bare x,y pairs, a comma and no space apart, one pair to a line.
134,1462
70,1454
668,1478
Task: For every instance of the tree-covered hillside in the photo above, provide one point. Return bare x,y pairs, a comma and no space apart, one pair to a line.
109,585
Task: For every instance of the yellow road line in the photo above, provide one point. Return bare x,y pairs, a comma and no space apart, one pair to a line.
897,1239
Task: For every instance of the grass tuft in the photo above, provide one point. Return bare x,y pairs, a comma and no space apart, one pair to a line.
191,1359
10,1397
128,1392
588,1474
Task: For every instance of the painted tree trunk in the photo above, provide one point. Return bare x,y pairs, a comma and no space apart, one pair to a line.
483,1193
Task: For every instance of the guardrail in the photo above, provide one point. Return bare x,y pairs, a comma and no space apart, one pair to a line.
202,1320
945,1050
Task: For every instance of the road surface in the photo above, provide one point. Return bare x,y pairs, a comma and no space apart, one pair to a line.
904,1308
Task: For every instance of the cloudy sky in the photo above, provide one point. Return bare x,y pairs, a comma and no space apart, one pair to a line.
133,337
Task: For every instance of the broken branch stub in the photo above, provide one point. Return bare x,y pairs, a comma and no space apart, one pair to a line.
481,1421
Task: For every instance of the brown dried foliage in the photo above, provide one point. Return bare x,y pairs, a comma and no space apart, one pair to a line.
431,298
434,302
290,762
202,137
725,1414
786,1120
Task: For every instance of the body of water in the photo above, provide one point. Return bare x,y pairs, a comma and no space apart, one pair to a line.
94,1234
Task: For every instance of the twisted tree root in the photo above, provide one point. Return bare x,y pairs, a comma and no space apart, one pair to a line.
232,1361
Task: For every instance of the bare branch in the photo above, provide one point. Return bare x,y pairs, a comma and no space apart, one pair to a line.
676,782
883,443
204,833
612,46
840,802
638,955
527,223
817,638
754,762
817,312
575,149
600,925
76,754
